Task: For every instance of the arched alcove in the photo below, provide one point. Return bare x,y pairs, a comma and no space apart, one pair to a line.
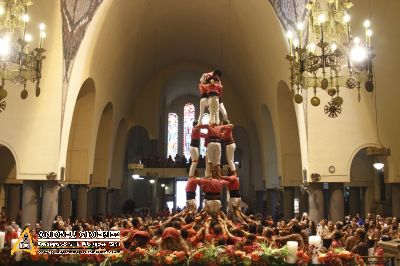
242,155
8,167
289,138
118,158
138,143
367,191
102,155
270,152
10,186
80,136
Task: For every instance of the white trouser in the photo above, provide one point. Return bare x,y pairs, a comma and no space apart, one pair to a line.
194,155
234,204
214,153
203,105
223,112
207,172
191,205
213,107
230,154
212,206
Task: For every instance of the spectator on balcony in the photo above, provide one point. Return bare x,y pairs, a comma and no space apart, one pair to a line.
170,161
177,158
183,160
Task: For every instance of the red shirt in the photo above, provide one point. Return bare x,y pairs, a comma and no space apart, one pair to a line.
202,88
124,231
10,235
226,133
216,87
191,185
237,239
233,183
210,237
211,185
212,132
195,133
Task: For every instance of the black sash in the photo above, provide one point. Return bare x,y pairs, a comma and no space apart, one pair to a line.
212,196
234,194
190,195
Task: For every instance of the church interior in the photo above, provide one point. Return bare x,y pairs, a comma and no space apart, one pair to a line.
98,106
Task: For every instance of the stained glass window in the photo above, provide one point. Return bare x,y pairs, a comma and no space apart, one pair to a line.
172,134
188,118
204,121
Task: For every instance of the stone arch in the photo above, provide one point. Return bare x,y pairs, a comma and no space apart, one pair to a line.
101,166
8,182
242,155
256,165
368,190
270,149
289,137
138,143
9,163
388,161
80,135
118,158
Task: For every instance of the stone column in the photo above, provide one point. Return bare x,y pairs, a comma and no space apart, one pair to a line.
66,200
271,202
336,202
81,202
354,200
260,200
101,201
29,202
303,202
395,200
316,202
13,201
92,201
288,202
109,208
49,203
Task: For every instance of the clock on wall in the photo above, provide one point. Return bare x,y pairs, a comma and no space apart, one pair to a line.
332,169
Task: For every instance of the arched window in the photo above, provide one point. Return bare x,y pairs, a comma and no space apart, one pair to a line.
204,121
172,134
188,118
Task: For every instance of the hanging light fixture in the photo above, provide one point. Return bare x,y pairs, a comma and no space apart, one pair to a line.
379,155
379,165
332,58
19,61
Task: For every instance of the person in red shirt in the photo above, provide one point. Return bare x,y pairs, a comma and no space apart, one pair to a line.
10,234
234,193
190,189
211,83
227,137
218,232
203,99
213,144
194,147
172,240
212,188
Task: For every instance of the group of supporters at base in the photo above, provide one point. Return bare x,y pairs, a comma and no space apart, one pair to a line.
189,229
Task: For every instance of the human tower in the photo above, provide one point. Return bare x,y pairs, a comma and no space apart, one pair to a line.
218,133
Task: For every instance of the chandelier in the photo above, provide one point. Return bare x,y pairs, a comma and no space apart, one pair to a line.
330,58
19,61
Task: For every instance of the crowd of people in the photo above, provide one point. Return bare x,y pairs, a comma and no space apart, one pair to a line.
185,230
